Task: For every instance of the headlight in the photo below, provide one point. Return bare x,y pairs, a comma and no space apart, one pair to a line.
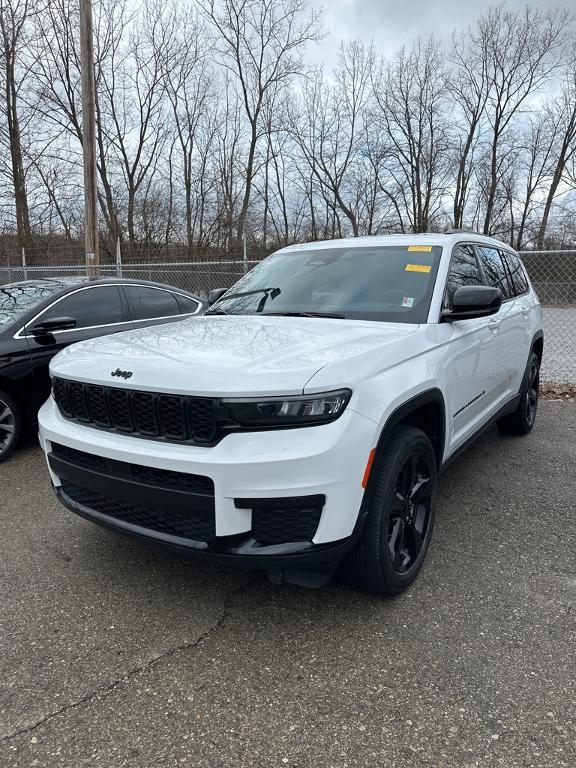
288,411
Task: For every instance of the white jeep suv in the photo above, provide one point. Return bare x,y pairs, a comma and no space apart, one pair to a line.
305,418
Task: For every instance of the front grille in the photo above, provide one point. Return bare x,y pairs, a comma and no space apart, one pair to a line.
161,478
182,524
175,418
276,526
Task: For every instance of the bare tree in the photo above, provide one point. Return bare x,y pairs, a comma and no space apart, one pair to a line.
328,126
15,24
188,86
410,95
260,42
521,51
469,87
535,157
564,117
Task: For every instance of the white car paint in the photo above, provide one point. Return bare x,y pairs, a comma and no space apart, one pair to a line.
477,365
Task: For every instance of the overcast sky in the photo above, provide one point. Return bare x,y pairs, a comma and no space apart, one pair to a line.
392,23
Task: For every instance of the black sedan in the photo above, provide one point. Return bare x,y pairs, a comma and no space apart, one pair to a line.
38,318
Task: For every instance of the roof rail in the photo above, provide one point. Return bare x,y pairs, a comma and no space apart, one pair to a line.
456,230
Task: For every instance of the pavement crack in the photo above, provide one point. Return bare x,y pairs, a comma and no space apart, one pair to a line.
105,690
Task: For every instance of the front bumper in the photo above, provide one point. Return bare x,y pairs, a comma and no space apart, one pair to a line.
326,461
298,562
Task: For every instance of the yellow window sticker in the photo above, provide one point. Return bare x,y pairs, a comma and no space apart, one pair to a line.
420,248
418,268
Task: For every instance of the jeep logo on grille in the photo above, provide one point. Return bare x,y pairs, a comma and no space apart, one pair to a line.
121,374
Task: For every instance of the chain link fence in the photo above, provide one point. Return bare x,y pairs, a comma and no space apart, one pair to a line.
553,274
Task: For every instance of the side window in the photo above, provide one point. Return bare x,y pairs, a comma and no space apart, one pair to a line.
100,305
464,270
187,305
147,303
495,270
516,269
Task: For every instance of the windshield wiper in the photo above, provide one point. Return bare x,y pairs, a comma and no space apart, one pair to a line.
268,293
272,291
306,314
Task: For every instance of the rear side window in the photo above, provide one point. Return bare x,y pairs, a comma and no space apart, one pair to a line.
147,303
187,305
101,305
495,270
517,274
464,270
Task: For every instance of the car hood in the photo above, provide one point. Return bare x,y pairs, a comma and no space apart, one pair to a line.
228,355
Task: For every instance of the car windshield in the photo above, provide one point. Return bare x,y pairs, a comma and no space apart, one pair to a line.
17,300
386,283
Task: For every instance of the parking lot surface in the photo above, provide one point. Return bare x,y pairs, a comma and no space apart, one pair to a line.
113,653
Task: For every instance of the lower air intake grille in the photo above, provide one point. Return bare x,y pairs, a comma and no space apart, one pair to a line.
161,478
182,524
277,526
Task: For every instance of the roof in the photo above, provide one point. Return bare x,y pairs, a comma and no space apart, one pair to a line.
429,238
64,283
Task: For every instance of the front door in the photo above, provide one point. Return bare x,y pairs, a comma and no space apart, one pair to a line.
473,355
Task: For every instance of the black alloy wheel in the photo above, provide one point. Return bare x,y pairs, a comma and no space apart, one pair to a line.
410,512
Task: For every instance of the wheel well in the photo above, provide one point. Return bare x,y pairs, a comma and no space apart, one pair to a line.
538,347
426,412
430,419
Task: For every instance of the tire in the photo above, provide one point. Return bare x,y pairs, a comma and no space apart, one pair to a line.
397,532
522,420
10,425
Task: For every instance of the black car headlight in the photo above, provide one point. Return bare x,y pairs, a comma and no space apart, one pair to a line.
297,410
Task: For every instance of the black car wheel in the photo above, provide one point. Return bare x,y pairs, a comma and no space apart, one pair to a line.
522,420
402,503
10,423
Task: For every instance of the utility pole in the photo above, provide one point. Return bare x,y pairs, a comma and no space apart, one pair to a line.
89,139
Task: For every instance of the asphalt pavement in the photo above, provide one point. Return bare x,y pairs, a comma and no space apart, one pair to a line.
113,653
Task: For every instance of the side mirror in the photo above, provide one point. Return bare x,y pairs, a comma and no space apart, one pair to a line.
471,301
215,294
50,324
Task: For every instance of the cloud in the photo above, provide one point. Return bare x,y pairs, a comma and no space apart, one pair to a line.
392,23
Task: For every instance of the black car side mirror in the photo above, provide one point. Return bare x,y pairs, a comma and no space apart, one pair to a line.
51,324
471,301
215,294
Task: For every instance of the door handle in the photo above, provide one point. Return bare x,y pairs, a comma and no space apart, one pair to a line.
494,325
525,310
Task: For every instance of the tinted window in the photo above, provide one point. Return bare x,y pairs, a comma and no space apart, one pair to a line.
17,300
516,269
100,305
146,303
186,304
495,269
386,283
464,270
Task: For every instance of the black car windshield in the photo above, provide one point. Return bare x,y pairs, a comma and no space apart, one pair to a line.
386,283
16,300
